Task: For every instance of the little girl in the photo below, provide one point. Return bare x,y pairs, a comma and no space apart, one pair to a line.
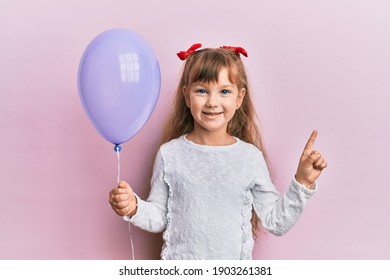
211,175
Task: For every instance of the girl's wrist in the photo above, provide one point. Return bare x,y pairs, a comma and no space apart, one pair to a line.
134,211
308,185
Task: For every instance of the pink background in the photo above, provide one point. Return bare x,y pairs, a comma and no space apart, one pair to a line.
312,64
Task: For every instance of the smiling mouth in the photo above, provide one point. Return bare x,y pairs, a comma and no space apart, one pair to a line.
212,114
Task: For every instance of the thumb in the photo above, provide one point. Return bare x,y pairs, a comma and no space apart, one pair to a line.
123,185
311,158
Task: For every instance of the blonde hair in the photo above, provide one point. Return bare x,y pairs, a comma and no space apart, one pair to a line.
204,66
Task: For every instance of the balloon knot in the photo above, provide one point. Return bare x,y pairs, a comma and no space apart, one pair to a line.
117,148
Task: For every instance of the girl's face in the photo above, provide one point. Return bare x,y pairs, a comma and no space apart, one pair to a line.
213,105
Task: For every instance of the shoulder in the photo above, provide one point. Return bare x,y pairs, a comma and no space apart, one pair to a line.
166,151
171,147
172,144
253,159
251,153
249,148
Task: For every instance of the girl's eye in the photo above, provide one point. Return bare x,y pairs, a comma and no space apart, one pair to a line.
225,91
201,91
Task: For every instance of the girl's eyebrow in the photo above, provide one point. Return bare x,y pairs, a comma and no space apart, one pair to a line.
228,85
199,84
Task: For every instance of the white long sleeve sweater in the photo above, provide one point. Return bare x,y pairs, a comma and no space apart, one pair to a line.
202,196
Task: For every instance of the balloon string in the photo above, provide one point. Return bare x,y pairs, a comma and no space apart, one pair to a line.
119,166
131,242
118,149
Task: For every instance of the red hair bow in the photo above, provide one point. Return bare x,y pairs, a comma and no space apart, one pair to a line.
184,54
237,50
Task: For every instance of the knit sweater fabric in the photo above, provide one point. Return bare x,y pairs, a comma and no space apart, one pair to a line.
202,196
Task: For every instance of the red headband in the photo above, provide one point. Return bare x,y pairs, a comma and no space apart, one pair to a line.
237,50
184,54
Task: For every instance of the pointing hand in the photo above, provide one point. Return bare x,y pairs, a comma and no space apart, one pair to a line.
310,164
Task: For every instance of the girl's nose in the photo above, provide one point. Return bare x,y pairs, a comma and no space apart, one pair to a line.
212,100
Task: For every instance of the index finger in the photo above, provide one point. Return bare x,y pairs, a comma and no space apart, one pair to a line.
117,191
122,184
310,142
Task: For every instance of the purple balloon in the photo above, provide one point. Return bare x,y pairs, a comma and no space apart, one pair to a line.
119,83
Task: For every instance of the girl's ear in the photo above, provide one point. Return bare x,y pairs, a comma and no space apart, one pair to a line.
186,96
240,97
